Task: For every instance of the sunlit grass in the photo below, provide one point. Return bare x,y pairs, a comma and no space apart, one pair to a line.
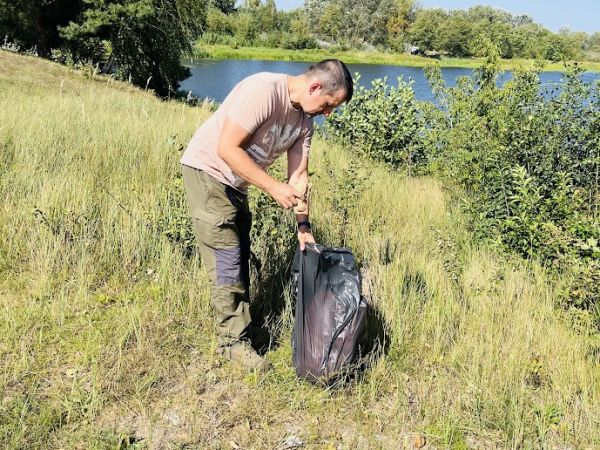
106,334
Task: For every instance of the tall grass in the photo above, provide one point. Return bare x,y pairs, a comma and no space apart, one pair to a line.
106,330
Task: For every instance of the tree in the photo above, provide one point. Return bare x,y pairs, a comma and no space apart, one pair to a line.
527,40
300,37
593,41
35,23
456,35
220,23
225,6
575,42
139,40
555,48
488,15
500,33
265,17
245,30
398,23
427,28
348,21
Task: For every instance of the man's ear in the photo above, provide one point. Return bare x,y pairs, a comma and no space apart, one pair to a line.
314,86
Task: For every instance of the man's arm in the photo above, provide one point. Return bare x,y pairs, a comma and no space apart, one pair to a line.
230,150
298,177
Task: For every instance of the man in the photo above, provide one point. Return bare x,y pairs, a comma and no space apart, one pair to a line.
264,116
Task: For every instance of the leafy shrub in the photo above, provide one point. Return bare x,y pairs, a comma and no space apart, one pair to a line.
271,40
273,230
583,290
382,123
211,38
297,42
346,185
526,155
274,243
219,23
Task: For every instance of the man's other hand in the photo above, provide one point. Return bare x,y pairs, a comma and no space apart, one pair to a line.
305,236
284,194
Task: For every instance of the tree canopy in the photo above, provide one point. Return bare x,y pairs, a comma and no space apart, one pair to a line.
138,40
393,25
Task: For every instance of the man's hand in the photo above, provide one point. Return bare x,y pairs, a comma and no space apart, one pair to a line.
305,237
284,194
302,187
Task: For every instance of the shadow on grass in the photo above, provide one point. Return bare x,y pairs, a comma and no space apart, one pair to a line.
271,291
377,337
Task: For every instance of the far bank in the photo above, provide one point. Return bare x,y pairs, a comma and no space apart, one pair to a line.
364,57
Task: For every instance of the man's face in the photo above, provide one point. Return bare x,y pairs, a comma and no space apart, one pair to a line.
319,102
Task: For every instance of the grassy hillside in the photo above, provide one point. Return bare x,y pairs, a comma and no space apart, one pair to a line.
106,333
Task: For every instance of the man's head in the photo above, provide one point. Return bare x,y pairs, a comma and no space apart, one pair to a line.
329,84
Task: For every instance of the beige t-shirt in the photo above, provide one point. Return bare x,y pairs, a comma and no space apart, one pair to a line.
261,105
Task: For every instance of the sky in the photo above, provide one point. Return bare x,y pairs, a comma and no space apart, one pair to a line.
577,15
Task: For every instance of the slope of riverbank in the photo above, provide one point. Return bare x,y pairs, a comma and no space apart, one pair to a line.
107,336
361,57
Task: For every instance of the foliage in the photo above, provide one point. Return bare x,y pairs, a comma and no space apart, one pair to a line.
35,23
274,243
398,24
349,22
273,232
350,182
528,157
137,40
174,222
401,16
525,154
463,32
381,122
219,23
225,6
258,24
424,32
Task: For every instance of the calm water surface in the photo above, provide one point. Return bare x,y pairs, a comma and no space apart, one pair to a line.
215,78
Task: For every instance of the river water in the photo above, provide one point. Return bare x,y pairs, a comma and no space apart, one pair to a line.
214,79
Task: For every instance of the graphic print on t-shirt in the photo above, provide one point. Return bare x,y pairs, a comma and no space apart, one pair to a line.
276,141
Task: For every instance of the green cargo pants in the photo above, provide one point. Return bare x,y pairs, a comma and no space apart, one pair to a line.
222,222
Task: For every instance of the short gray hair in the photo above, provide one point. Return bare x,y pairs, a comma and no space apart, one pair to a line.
334,75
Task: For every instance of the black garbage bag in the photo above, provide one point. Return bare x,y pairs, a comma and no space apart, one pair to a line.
330,312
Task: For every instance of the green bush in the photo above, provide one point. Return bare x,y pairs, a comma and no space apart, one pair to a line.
297,42
382,123
526,155
220,23
270,40
210,38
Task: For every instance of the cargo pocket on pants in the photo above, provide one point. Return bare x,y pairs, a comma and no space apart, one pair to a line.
215,230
